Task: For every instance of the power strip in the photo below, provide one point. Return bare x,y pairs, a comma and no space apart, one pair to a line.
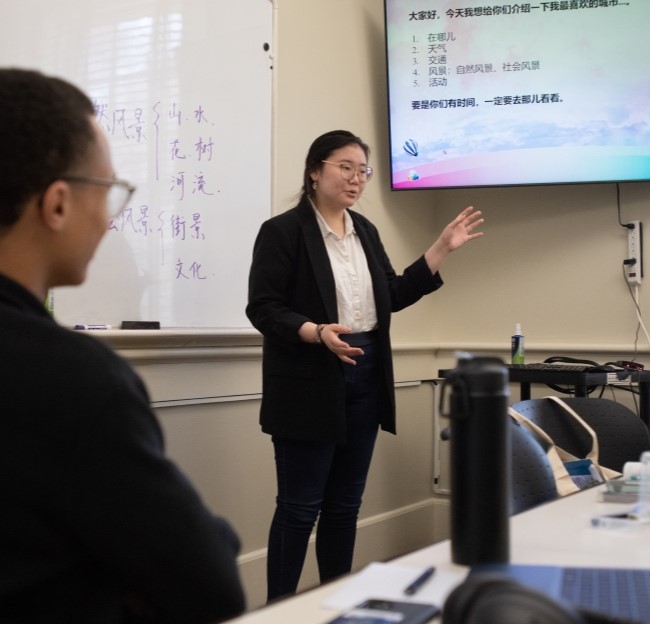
634,262
613,380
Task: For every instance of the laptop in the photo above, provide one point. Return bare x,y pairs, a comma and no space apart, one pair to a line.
622,593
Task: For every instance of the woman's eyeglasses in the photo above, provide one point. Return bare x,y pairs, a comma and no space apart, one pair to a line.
119,193
348,171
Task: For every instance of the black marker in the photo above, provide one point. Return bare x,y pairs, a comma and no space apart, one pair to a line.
419,581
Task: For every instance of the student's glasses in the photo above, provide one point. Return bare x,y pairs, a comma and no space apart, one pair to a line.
119,193
348,171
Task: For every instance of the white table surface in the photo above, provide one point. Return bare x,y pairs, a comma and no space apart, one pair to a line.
555,533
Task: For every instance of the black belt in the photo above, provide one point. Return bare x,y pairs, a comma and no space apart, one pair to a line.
360,339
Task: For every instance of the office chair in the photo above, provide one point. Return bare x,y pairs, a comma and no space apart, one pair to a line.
532,480
622,435
531,477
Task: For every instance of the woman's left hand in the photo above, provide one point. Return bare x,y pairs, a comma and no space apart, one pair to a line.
455,235
461,229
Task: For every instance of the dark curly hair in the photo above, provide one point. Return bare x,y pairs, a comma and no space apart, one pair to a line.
45,131
321,149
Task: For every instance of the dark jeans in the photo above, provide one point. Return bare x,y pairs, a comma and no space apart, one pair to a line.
325,478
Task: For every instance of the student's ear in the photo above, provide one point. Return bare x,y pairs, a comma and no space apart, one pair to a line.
55,204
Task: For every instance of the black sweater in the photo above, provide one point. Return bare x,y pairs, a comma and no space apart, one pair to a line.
93,517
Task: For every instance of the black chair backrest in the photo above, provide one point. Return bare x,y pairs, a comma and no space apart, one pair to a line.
532,480
622,435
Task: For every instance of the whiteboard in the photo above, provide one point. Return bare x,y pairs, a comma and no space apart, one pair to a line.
183,89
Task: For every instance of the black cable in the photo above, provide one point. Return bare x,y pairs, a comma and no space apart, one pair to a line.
569,360
629,226
591,389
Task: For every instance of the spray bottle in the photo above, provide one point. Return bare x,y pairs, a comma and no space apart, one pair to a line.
517,346
49,301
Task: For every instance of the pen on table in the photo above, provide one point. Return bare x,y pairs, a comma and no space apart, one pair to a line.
93,326
419,581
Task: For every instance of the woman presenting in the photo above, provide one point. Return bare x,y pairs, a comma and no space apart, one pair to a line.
321,291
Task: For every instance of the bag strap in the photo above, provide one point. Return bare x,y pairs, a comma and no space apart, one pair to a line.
530,425
556,455
605,473
593,452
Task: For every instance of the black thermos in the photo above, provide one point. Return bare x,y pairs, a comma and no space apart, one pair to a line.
480,461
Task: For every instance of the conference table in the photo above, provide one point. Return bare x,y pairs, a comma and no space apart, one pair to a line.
556,533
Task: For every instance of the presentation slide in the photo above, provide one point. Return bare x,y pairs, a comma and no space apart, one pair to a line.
518,94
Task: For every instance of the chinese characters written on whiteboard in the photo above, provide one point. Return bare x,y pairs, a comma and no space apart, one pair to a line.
173,150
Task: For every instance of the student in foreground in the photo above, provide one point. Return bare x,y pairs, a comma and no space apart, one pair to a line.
96,524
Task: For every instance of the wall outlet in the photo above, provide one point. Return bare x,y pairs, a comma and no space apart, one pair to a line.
634,268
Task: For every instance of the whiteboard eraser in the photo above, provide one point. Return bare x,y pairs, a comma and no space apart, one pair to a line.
140,325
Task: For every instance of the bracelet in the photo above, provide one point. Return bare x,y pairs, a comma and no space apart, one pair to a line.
319,331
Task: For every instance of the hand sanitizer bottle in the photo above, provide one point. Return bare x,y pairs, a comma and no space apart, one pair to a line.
517,346
643,508
49,301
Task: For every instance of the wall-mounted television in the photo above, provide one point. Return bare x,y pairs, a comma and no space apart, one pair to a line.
493,94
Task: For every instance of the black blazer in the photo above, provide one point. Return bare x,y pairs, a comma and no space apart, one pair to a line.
291,282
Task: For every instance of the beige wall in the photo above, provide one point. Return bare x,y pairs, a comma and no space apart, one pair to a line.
207,397
551,260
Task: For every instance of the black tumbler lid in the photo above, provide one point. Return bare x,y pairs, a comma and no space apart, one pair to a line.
480,375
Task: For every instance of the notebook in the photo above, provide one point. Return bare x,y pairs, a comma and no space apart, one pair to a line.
619,592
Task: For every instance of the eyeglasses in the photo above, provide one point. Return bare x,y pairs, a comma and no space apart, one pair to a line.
348,171
119,193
